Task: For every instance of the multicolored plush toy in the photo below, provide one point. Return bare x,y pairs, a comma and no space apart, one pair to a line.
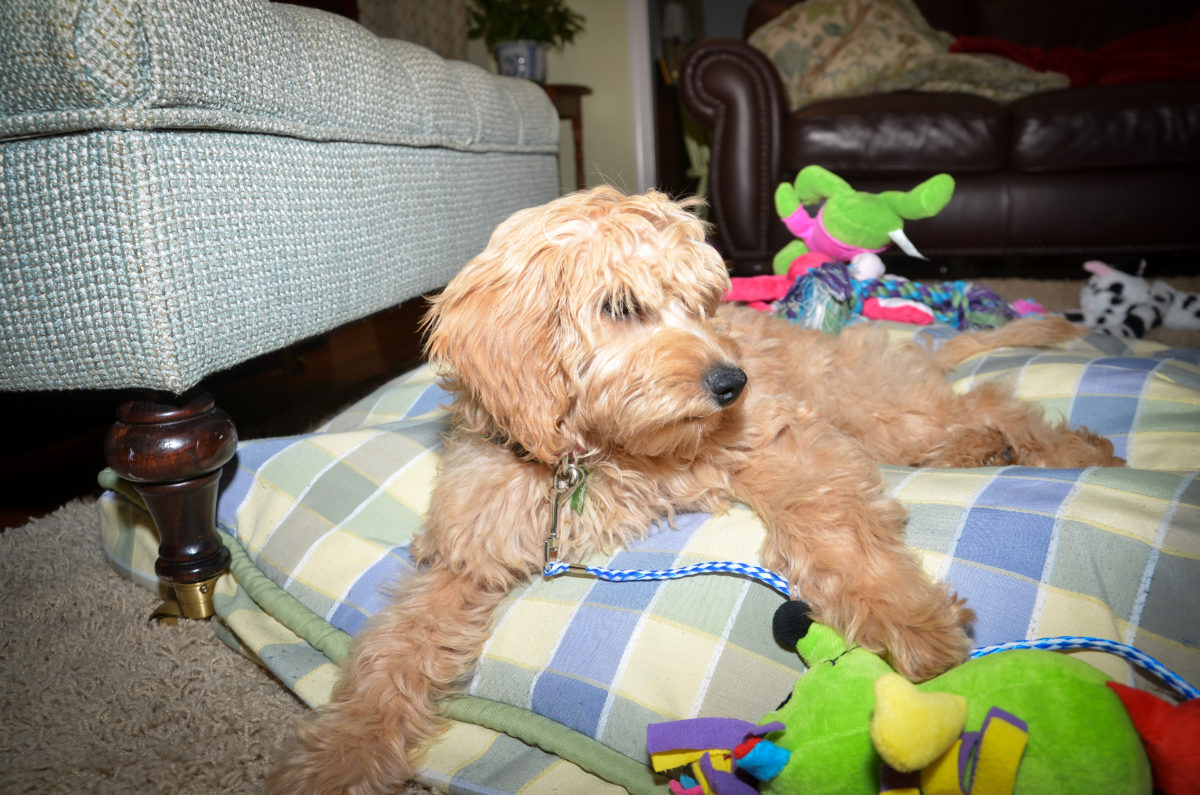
852,222
1015,721
851,226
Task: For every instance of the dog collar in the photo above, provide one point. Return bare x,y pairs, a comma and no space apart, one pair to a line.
519,450
513,447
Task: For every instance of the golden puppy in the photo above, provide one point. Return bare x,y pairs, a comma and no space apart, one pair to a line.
590,336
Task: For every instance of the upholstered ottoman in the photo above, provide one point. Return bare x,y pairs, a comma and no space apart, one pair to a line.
184,186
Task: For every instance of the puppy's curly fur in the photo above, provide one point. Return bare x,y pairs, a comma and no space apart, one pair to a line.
593,327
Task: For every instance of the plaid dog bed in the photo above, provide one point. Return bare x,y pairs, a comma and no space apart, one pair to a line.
576,668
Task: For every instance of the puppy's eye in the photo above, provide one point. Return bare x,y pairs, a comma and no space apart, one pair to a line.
624,308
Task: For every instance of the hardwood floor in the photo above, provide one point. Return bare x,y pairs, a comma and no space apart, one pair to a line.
53,441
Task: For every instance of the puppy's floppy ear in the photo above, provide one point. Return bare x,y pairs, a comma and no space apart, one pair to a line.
503,347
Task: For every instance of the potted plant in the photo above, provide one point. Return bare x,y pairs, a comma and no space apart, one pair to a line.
518,32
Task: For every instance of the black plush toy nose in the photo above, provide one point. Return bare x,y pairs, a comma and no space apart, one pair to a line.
725,383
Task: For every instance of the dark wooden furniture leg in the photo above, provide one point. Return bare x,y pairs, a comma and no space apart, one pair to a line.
173,454
568,103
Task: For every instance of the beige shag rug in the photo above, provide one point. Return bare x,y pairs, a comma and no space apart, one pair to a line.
97,699
94,698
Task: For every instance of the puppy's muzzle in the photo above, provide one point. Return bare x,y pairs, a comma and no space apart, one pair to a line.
725,383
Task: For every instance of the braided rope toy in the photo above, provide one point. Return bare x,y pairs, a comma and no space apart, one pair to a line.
828,298
961,304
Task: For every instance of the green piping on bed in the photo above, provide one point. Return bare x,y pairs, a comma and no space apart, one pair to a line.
521,724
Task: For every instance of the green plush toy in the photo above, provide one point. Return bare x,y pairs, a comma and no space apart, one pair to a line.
1015,721
851,222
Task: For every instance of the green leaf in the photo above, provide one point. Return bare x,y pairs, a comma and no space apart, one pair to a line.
549,21
579,495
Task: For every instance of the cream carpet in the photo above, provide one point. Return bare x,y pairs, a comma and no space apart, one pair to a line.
96,699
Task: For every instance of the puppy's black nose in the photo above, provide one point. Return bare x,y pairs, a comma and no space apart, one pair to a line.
725,383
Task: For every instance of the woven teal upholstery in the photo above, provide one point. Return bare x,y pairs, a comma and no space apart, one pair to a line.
186,185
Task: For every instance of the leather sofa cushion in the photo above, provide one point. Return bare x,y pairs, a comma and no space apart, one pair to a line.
901,132
1087,127
1108,126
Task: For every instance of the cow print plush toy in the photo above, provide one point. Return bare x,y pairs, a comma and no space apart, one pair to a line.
1126,305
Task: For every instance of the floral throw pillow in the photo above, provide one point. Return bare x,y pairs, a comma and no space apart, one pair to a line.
838,48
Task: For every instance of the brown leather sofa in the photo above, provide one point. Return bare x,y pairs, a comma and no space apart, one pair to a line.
1094,170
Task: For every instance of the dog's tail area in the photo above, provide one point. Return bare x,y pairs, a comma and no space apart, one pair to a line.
1034,332
384,709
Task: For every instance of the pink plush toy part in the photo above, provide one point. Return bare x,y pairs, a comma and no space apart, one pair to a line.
1024,307
898,310
759,291
816,236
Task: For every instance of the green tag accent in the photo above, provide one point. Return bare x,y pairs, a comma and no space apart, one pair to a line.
579,496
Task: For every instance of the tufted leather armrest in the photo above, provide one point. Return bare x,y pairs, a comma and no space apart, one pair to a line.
734,89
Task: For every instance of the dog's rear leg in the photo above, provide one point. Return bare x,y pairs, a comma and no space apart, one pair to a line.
988,426
417,649
838,539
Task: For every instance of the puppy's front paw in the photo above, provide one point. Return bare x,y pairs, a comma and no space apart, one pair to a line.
921,636
923,652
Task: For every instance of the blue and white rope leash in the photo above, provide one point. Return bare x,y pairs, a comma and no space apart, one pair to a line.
569,478
1129,653
632,575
